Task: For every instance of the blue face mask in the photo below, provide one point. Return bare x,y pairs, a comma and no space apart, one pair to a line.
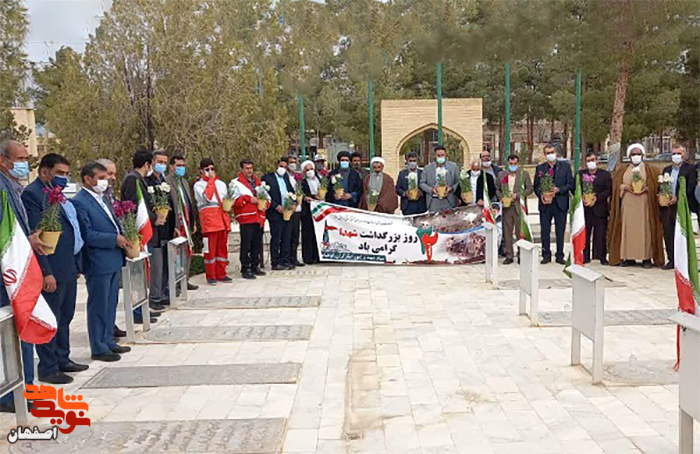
344,165
159,168
513,168
180,171
441,160
20,169
59,180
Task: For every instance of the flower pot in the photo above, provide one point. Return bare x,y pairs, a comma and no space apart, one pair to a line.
588,199
262,204
467,197
300,198
162,213
547,198
637,186
134,250
664,200
442,191
287,214
413,194
322,193
227,204
51,240
371,206
506,201
339,193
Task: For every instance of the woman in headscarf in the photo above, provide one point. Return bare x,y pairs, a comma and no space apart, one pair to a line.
378,190
309,184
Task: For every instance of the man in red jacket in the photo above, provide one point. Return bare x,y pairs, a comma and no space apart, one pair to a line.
250,217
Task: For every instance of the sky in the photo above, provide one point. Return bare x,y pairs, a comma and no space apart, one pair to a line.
57,23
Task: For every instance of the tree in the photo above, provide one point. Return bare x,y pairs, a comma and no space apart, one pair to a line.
13,63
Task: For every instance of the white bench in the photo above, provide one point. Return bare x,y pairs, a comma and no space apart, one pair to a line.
491,253
529,279
588,316
689,385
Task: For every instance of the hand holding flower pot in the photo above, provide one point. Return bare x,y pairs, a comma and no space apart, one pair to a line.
160,200
637,181
506,196
50,223
337,181
665,194
589,197
126,212
465,183
263,195
547,186
441,183
412,186
288,206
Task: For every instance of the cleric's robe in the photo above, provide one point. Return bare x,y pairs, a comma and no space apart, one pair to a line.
388,201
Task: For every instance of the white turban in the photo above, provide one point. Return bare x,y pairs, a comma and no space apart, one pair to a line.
636,145
378,159
306,163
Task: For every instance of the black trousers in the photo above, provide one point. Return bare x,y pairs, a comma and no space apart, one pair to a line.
280,241
55,354
251,239
596,231
547,214
296,223
668,221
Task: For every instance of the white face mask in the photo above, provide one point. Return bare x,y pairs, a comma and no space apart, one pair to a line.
486,163
310,174
281,171
551,157
292,167
677,159
149,173
592,165
476,172
636,159
101,186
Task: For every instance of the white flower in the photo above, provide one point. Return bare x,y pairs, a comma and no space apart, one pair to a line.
668,178
165,187
636,169
151,190
441,171
413,176
291,195
375,193
463,174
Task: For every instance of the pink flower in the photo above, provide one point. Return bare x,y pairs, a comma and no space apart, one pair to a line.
540,174
55,196
297,176
323,172
504,180
551,172
587,178
121,209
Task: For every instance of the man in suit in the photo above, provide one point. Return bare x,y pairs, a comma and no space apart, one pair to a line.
514,179
488,166
14,166
280,230
182,201
143,166
679,168
60,269
556,208
350,180
428,182
408,206
102,261
597,213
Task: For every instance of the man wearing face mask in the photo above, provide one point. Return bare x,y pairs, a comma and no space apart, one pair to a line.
280,230
596,213
295,178
489,166
250,218
408,206
429,182
356,163
519,187
350,180
635,231
111,177
485,189
381,184
102,261
679,168
320,163
158,294
557,208
60,269
183,206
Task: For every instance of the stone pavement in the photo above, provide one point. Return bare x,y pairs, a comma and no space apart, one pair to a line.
381,359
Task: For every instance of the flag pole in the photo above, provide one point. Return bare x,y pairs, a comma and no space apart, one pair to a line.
577,134
370,101
506,148
302,128
439,101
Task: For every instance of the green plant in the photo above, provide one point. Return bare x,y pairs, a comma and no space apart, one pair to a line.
51,215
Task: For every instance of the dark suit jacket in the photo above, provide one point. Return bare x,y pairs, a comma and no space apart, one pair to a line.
128,192
354,187
62,264
166,232
416,206
276,194
563,179
100,254
602,187
691,180
190,204
490,184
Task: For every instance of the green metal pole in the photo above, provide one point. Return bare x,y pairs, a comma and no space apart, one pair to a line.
506,151
370,100
439,101
577,135
302,128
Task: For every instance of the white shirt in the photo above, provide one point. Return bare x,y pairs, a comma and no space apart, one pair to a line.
99,199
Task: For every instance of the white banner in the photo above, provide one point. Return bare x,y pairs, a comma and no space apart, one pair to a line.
351,235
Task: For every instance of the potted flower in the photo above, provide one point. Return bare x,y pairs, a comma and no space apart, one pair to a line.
588,192
547,186
665,194
160,200
337,181
288,206
441,182
50,223
263,196
227,203
637,180
126,212
372,199
413,186
323,187
506,196
465,182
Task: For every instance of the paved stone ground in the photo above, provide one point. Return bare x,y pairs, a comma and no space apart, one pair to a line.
399,360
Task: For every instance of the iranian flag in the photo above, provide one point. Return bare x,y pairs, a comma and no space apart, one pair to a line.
319,210
686,262
23,280
143,222
578,228
525,231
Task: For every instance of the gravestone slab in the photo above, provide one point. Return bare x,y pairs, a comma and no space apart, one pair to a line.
237,302
613,318
235,436
191,375
194,334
